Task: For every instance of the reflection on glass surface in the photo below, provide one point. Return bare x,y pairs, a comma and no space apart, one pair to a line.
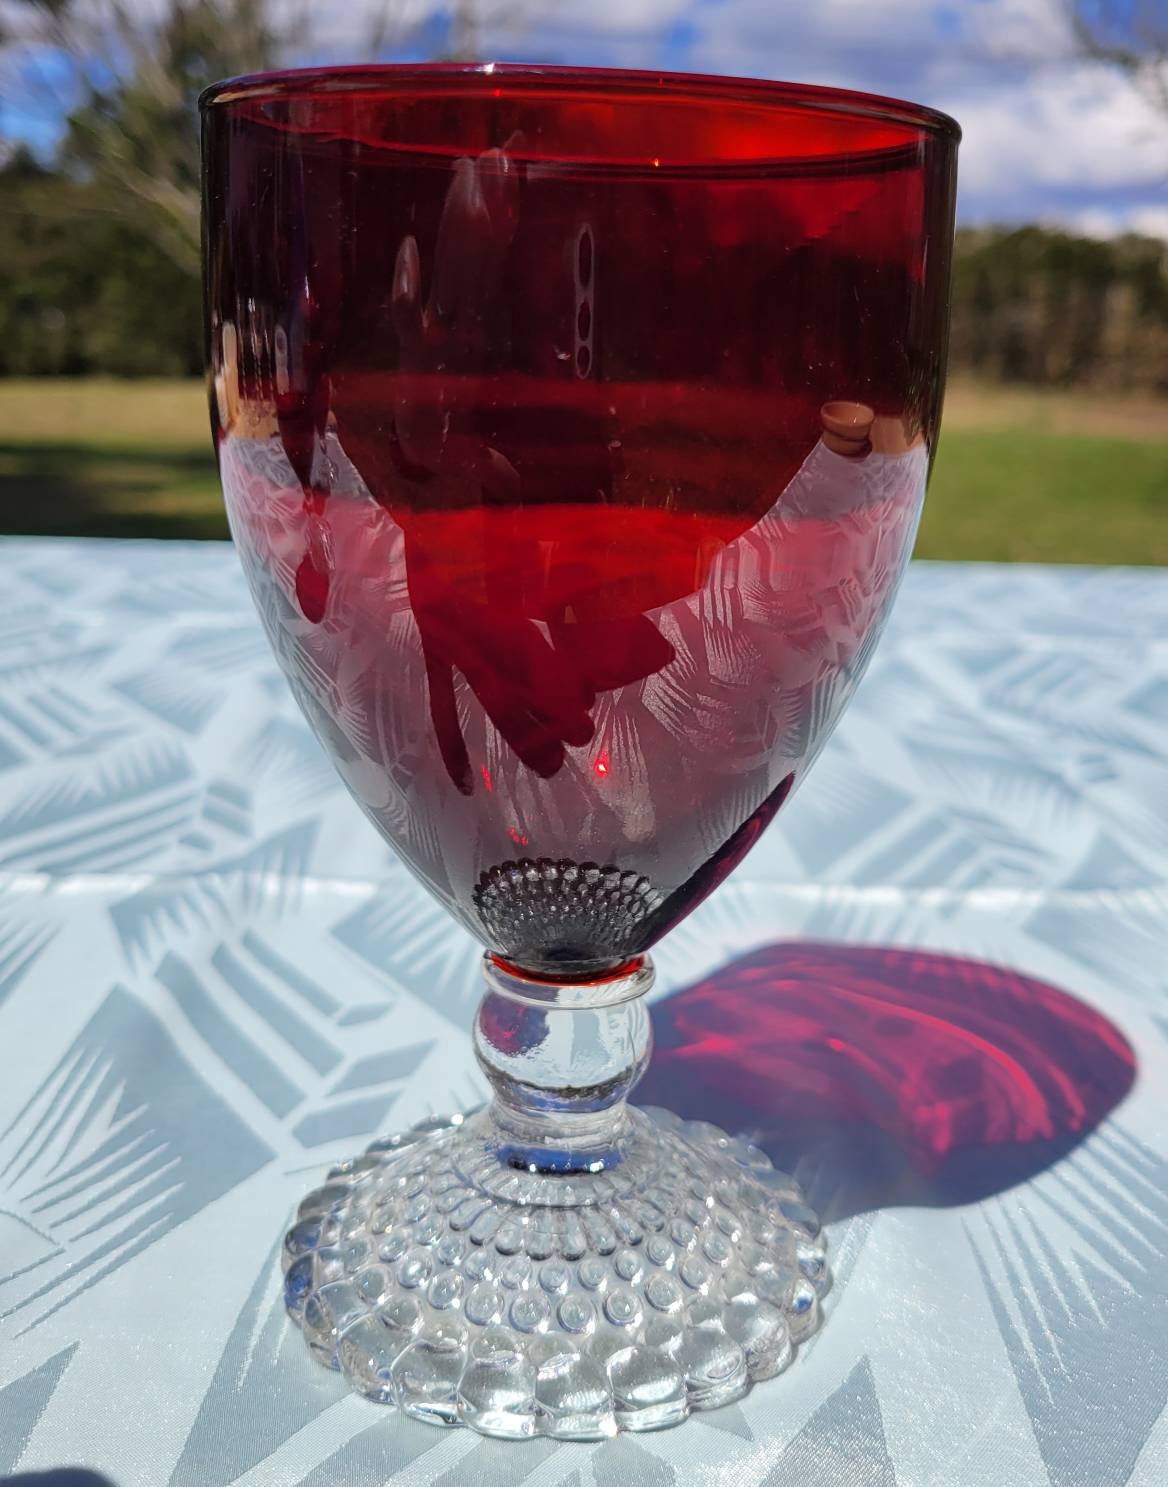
644,737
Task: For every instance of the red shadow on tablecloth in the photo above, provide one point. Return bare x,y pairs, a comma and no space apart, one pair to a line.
888,1076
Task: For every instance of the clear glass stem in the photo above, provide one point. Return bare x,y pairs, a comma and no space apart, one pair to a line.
562,1058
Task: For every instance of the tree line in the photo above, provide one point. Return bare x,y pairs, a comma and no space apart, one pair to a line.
1041,306
85,290
88,292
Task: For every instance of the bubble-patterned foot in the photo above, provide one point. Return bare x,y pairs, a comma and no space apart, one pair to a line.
685,1275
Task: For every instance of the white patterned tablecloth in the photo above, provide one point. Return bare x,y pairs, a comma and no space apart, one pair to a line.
214,978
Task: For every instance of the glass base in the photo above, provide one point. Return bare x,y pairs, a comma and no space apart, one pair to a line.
472,1291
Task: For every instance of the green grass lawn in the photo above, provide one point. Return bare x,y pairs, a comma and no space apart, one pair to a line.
1012,496
102,458
1034,476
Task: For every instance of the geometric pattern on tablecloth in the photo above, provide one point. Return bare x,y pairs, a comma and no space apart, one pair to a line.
213,975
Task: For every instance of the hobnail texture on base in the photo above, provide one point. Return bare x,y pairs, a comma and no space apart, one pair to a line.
670,1283
559,913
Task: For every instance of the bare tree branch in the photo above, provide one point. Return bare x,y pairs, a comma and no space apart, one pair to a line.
1130,34
137,71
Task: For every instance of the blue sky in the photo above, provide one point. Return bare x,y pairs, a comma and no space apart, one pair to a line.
1047,137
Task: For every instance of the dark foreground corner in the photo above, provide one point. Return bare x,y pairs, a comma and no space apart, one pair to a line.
61,1476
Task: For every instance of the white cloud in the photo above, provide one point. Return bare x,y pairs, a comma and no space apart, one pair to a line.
1080,126
846,43
1099,222
1150,220
1013,30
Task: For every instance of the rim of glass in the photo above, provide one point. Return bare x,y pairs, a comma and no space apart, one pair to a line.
389,77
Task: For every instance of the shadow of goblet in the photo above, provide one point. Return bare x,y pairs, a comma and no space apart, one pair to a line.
887,1077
